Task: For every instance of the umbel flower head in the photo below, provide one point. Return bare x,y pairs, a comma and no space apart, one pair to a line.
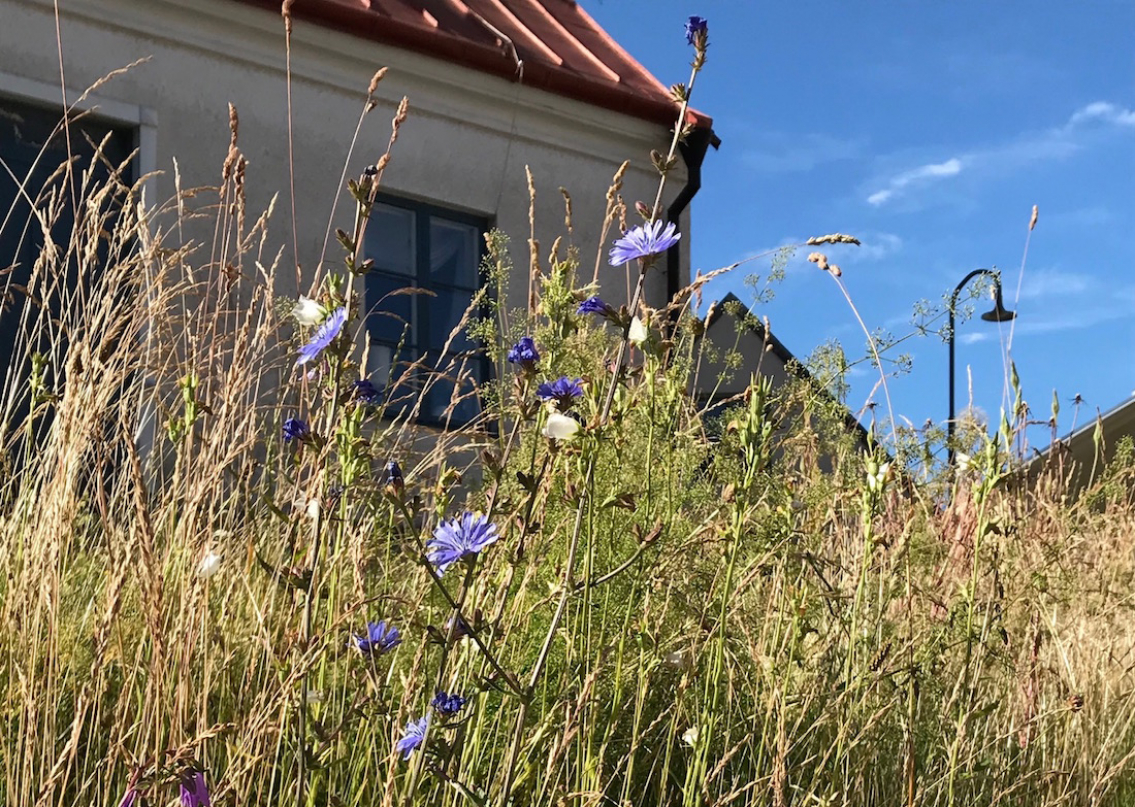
447,705
644,241
194,792
696,27
524,353
324,335
563,392
295,429
459,538
380,638
413,736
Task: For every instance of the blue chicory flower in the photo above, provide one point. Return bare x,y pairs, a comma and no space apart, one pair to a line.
194,792
694,27
414,736
563,391
295,429
393,474
129,798
643,241
379,637
524,353
459,538
462,629
324,335
594,305
447,705
365,391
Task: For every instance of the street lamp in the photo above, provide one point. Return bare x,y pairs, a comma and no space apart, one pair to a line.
998,314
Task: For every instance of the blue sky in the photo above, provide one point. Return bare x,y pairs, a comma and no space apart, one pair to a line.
928,130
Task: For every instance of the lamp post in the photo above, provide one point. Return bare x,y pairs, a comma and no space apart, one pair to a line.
998,314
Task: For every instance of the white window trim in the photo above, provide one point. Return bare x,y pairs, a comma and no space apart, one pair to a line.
144,120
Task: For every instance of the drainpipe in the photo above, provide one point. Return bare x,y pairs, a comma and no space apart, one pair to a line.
693,150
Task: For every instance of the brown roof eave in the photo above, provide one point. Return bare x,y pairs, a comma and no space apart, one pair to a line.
362,22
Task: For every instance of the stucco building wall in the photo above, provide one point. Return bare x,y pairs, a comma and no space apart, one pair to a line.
465,145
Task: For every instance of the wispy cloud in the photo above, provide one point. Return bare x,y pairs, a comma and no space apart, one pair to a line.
1055,283
921,174
1055,142
1051,312
783,152
1104,111
874,246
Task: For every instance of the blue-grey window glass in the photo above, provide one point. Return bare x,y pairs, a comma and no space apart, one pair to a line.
425,277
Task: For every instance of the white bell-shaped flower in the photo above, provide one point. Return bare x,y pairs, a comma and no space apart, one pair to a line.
308,312
560,427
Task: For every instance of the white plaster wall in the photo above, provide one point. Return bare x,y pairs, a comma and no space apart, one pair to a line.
465,145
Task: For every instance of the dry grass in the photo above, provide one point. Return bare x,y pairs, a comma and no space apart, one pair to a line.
741,627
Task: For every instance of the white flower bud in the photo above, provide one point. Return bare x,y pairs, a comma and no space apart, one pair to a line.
637,334
308,312
560,427
209,566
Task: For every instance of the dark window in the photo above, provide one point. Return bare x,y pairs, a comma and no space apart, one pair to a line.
422,247
33,147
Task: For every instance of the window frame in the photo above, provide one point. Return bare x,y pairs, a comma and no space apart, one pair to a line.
420,304
141,119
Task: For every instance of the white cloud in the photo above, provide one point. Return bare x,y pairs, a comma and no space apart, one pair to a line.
1025,149
1049,283
1103,111
874,246
921,174
776,152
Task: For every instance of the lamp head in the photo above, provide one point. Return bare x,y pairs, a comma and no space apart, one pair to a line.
999,313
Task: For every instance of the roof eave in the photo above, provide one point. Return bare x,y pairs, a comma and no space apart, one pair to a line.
361,22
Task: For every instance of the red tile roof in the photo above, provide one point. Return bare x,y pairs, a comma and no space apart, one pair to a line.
561,48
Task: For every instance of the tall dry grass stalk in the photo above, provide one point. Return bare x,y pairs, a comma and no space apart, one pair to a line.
687,605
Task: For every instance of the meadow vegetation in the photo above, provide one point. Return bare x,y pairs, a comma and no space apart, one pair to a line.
220,568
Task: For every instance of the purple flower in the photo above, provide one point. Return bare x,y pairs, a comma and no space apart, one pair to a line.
194,793
594,305
462,630
379,637
394,476
563,391
696,26
524,353
459,538
295,429
366,392
447,705
643,241
324,335
414,736
129,798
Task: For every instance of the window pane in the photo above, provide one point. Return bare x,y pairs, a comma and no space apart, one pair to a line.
390,374
388,313
446,310
442,405
390,239
454,253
